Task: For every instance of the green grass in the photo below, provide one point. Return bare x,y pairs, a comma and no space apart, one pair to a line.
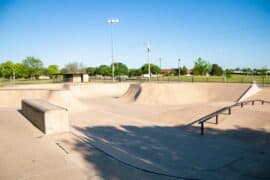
6,82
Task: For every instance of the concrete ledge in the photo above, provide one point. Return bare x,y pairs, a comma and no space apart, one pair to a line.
47,117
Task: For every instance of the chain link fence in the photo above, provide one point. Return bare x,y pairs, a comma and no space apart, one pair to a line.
260,80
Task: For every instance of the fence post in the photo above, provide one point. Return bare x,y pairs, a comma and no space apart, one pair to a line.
216,119
230,112
262,102
242,104
252,103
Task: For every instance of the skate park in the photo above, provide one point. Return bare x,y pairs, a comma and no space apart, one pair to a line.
134,90
140,131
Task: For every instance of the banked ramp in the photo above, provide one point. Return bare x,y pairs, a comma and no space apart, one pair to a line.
183,93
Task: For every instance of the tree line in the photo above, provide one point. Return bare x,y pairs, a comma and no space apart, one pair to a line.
32,67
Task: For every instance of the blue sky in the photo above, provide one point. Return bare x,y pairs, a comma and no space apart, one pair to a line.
232,33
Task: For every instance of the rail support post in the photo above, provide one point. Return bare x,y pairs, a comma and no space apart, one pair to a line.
230,111
202,128
242,104
252,103
262,102
216,119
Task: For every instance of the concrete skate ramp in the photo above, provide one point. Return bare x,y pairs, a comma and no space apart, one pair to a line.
64,95
13,97
64,98
183,93
132,93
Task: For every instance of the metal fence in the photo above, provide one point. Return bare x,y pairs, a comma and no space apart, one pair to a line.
261,81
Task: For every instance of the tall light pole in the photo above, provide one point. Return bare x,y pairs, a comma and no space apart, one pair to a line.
179,67
112,22
148,59
160,63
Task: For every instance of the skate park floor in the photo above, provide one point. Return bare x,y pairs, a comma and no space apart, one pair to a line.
117,139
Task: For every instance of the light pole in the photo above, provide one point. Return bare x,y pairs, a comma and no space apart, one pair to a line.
179,67
225,74
149,60
160,61
112,22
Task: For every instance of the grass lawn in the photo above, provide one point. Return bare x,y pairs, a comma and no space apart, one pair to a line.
6,82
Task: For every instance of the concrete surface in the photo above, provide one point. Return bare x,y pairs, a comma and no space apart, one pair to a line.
25,153
47,117
142,136
127,136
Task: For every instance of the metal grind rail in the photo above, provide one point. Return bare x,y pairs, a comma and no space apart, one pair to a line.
226,109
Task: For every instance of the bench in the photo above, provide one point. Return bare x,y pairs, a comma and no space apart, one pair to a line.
49,118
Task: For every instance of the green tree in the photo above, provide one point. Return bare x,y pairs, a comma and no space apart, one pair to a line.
134,72
201,67
33,65
21,71
183,71
91,71
216,70
44,71
53,69
120,69
262,71
247,71
74,67
228,73
104,70
63,70
153,68
7,68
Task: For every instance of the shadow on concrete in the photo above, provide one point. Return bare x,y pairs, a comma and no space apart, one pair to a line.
131,152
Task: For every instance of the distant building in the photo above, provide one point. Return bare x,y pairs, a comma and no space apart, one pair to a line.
238,72
173,71
167,71
75,77
43,77
152,75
